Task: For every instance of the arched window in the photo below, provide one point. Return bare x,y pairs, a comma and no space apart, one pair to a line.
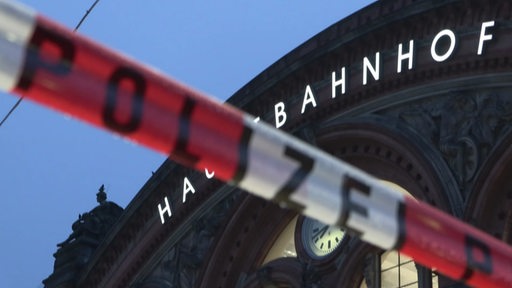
396,270
284,245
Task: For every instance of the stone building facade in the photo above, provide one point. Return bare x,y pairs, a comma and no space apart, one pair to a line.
417,93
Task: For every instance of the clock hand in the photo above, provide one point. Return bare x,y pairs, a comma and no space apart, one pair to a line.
321,232
324,229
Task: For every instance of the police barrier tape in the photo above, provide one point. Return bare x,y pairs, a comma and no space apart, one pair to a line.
50,64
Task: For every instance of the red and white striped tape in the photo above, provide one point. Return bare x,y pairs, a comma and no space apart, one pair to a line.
50,64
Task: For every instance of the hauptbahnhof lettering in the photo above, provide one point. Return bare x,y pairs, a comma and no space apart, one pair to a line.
442,48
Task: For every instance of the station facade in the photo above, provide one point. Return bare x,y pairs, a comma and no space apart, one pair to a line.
417,93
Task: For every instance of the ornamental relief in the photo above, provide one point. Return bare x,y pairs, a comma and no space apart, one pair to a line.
464,126
182,264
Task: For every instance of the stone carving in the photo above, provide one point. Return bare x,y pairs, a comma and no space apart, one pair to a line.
88,232
265,279
463,125
93,225
182,263
311,277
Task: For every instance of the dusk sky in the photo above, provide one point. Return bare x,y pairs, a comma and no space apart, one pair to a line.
52,166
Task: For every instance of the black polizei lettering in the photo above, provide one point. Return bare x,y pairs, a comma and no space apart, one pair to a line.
350,186
127,75
306,164
473,248
35,61
181,152
243,155
401,226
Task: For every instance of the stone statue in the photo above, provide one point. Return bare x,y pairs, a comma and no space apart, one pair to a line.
93,225
88,232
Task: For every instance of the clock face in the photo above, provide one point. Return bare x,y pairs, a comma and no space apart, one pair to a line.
320,239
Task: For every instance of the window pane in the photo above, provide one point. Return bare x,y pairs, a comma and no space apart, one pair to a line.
435,280
389,278
398,271
408,273
388,260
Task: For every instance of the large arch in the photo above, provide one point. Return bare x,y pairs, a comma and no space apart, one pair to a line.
380,148
489,207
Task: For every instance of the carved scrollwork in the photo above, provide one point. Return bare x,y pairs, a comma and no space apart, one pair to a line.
182,263
89,231
284,272
463,125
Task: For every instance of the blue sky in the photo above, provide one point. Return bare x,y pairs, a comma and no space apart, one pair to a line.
52,166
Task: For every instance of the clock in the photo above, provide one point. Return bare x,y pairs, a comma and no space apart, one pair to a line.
318,239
